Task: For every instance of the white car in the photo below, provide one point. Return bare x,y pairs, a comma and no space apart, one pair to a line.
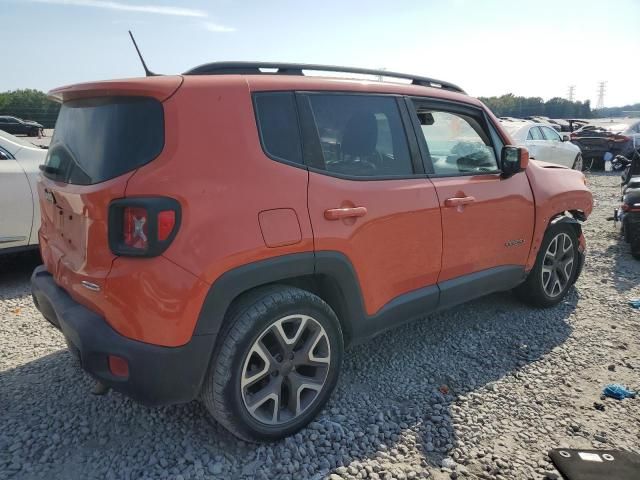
19,207
544,143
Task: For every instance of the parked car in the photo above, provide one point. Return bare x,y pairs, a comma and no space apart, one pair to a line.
619,136
237,228
17,126
546,121
19,205
544,143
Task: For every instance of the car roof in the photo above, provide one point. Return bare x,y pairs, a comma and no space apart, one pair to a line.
291,82
162,87
517,127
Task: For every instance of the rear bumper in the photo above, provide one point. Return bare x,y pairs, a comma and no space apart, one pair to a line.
157,375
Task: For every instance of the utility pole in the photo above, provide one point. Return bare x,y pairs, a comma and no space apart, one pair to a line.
571,92
602,88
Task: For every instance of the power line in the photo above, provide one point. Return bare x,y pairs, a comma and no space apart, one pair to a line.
602,88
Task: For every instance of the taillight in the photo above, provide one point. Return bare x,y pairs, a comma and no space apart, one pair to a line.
635,207
620,138
143,226
135,230
166,223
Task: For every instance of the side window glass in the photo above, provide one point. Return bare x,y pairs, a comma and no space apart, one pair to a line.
550,134
360,135
278,125
457,142
529,136
536,134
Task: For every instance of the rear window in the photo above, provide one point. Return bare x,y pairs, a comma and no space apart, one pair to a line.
101,138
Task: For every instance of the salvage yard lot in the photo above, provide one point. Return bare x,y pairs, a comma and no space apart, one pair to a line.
519,382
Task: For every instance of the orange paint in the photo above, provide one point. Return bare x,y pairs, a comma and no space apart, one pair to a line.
239,206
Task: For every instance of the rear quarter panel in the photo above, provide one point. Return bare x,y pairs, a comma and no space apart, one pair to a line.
213,164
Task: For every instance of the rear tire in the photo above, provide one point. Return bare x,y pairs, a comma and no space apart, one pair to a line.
276,363
555,270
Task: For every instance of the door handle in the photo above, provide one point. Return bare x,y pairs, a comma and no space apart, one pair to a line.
349,212
458,201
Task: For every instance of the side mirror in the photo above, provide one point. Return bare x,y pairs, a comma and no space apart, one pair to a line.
3,156
565,138
513,160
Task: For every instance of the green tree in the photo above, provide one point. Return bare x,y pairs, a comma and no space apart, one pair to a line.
30,104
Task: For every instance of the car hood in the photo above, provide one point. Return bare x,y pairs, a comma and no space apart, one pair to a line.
31,122
549,165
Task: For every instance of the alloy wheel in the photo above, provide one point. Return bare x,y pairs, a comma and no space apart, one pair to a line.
285,369
558,264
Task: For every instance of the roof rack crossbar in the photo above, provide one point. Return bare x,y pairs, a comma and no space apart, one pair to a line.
255,68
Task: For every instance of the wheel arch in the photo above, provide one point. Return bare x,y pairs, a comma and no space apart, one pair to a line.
333,280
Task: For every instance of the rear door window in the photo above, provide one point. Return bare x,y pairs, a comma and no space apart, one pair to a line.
536,134
550,134
101,138
356,135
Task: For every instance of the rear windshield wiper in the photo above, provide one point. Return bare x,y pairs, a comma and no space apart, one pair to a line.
49,169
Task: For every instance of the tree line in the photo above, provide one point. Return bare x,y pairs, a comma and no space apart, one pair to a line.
32,104
510,105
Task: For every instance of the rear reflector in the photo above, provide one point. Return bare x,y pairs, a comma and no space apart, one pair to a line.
118,366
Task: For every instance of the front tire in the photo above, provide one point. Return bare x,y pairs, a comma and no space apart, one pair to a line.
578,163
555,270
276,364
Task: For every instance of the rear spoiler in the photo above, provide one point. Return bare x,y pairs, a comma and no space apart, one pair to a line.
160,88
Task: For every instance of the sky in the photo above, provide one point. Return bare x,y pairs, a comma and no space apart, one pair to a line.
492,47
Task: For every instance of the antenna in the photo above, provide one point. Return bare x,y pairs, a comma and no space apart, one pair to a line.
147,72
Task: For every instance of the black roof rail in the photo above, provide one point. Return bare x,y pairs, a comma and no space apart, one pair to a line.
255,68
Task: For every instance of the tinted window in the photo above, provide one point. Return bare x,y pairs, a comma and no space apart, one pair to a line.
99,139
536,134
278,125
550,134
360,135
457,143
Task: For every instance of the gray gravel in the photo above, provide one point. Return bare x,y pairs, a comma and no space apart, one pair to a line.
480,391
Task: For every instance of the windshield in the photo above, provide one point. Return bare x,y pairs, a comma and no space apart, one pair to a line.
101,138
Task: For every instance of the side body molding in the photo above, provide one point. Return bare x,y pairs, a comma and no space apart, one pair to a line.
332,275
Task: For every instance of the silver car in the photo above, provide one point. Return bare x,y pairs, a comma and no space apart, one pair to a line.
544,143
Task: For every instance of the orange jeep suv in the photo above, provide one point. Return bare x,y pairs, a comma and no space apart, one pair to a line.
224,234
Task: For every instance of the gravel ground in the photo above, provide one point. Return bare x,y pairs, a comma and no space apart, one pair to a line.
481,391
